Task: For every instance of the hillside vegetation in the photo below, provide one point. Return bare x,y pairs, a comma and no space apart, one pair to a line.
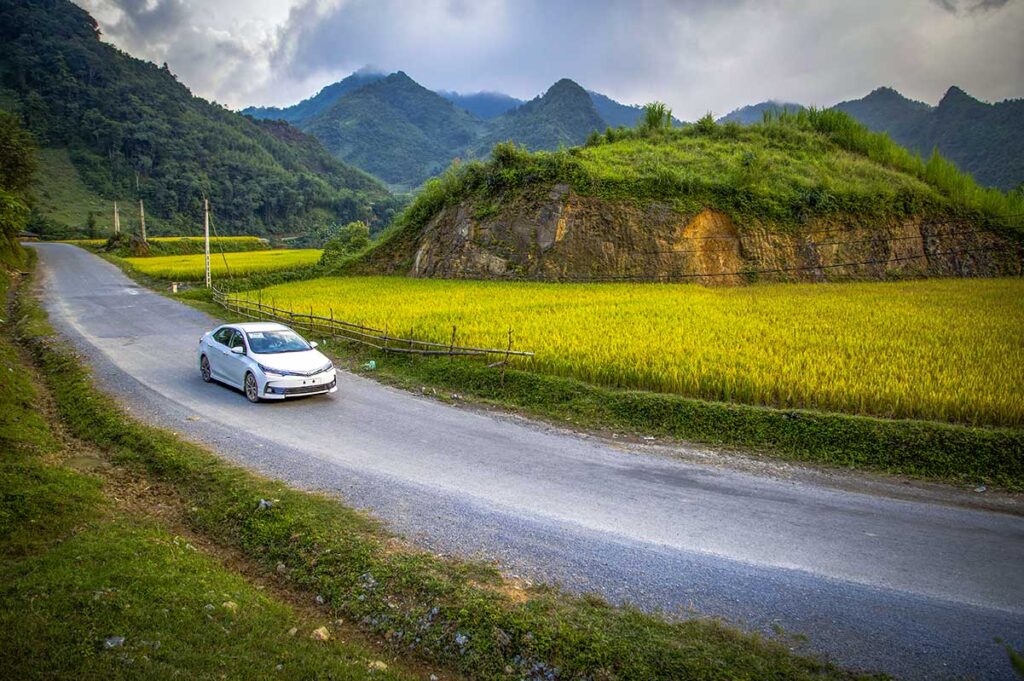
982,139
805,193
395,129
131,129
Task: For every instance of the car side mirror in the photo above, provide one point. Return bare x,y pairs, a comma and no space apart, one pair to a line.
313,344
238,350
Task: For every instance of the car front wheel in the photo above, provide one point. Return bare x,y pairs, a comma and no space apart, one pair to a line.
252,388
204,369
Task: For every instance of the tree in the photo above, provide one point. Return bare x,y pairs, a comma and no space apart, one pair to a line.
657,116
90,225
351,239
17,154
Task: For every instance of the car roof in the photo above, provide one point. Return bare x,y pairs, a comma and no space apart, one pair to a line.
259,326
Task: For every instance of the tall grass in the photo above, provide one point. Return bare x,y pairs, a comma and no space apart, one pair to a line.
948,350
959,187
192,267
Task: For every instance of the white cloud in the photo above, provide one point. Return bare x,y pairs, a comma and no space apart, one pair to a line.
697,56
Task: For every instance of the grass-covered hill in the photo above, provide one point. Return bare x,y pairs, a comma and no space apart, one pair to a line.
981,138
812,195
126,123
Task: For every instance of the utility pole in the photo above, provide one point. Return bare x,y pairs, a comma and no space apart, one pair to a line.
142,220
206,238
117,220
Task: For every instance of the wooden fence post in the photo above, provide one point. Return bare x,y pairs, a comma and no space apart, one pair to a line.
451,348
507,351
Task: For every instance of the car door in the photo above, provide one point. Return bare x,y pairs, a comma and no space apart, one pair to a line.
219,352
235,365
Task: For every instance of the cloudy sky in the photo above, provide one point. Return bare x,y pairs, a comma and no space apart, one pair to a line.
696,55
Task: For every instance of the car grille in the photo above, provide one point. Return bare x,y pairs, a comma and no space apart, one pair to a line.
307,389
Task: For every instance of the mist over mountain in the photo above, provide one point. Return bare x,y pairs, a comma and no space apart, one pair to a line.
562,116
483,105
307,108
754,113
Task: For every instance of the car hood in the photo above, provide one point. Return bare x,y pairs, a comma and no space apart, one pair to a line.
306,361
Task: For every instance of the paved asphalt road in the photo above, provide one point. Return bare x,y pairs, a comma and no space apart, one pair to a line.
915,589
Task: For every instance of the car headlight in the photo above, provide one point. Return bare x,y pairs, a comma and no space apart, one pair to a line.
272,372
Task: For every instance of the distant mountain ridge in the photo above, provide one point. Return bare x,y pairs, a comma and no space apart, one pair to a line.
399,131
981,138
395,129
483,105
562,116
319,102
984,139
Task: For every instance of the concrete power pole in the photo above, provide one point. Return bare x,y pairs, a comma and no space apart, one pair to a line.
206,238
142,220
117,220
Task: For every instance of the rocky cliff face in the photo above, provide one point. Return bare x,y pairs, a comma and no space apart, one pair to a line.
555,234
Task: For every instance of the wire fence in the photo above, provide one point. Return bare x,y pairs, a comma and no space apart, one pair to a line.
379,339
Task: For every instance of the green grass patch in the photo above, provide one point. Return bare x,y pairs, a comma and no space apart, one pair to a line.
448,612
78,572
63,197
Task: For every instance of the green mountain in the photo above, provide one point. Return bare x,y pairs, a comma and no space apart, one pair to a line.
404,134
130,129
563,116
982,139
395,129
321,101
483,105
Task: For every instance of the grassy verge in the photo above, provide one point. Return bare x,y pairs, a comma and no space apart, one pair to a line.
92,589
460,615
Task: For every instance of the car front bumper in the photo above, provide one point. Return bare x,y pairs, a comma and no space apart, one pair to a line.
299,386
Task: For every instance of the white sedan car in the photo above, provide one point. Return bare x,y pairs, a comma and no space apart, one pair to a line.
265,360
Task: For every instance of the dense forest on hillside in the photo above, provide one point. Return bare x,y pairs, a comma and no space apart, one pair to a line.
132,129
17,165
395,129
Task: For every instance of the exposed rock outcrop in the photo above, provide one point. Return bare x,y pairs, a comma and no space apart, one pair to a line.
555,234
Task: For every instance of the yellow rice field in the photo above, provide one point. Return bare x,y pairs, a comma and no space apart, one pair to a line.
190,267
950,349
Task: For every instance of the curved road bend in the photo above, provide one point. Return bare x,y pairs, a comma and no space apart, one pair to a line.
912,588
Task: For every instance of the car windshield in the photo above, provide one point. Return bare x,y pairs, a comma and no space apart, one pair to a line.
272,342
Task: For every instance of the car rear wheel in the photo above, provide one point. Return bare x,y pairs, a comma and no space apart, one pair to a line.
204,369
252,388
